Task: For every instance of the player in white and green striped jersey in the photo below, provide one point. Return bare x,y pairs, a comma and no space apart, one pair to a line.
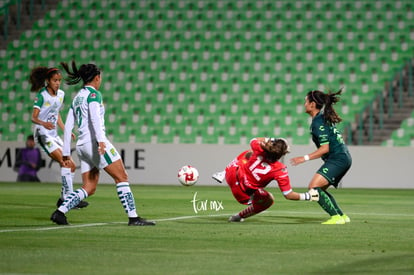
94,150
46,119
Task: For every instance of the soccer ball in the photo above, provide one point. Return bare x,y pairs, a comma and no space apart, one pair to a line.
188,175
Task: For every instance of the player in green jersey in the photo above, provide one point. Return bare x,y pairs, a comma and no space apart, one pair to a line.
330,148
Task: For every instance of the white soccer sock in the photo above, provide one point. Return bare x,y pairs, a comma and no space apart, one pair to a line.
67,182
127,199
73,199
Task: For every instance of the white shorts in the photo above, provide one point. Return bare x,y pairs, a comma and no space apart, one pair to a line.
49,144
90,158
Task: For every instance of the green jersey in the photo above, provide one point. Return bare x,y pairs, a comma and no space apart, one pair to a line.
323,133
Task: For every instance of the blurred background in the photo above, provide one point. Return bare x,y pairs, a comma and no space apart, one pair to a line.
218,72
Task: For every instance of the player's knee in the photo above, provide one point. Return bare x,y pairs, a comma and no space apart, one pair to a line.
243,200
263,198
319,189
69,164
117,171
121,177
72,166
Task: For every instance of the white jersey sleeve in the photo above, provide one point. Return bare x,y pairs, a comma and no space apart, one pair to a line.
94,110
69,124
89,114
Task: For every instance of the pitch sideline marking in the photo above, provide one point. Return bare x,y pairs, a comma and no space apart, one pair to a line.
182,218
57,227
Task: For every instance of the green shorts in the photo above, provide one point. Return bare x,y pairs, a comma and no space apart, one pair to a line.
335,168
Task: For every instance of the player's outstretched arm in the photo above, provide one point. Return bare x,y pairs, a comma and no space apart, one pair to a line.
311,195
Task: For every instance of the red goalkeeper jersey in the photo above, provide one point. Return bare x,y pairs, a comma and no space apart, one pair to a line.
255,172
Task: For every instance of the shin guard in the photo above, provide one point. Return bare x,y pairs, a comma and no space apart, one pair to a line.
326,203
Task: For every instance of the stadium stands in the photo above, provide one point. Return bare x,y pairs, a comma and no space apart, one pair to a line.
404,135
213,71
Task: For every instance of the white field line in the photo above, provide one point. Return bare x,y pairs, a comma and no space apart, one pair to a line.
57,227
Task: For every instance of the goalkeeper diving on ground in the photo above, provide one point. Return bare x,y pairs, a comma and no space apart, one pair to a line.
251,171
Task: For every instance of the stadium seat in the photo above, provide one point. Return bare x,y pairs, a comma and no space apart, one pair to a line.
202,57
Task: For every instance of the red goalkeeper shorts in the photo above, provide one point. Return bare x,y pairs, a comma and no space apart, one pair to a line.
236,188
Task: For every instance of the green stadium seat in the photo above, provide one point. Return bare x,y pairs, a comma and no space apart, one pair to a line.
400,139
184,49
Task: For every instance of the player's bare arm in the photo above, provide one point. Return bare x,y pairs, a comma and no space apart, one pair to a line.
314,155
36,120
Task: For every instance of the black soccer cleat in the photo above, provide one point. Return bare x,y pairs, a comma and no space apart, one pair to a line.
59,202
82,204
138,221
59,218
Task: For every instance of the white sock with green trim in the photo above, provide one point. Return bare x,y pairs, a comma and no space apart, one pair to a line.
67,182
73,199
127,199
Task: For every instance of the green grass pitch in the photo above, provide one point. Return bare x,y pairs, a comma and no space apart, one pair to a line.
286,239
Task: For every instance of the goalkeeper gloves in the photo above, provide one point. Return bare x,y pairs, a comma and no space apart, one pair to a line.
313,195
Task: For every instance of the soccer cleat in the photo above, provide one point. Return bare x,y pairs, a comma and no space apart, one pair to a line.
138,221
346,218
219,176
336,219
236,218
59,218
82,204
59,202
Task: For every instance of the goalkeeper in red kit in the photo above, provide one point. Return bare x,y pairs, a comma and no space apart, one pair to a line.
249,173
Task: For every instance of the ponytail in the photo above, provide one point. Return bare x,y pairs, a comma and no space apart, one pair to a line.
325,102
86,73
330,114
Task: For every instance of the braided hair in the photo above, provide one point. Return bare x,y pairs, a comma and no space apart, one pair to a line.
86,73
326,101
39,75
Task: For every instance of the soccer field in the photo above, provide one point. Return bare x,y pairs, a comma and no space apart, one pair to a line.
286,239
